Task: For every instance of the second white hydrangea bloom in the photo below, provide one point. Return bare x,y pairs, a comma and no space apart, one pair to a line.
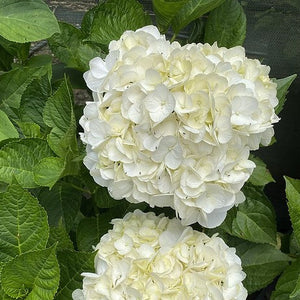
148,257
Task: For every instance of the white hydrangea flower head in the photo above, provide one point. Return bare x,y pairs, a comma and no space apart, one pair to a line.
173,126
153,257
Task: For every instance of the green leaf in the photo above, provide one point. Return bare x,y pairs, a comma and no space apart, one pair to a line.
62,204
165,10
293,195
226,24
33,101
18,159
49,170
72,264
7,129
262,263
253,220
287,282
26,20
294,245
69,47
103,199
296,292
23,225
21,51
14,83
282,90
33,274
261,175
59,115
30,130
90,230
6,60
113,17
3,296
59,235
192,10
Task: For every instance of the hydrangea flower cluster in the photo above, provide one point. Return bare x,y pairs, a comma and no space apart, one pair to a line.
173,126
150,257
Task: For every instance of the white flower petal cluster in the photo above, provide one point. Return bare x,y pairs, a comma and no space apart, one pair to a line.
173,126
150,257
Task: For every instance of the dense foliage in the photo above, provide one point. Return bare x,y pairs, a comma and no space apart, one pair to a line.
51,210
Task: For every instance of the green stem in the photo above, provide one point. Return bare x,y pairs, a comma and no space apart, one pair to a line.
79,188
173,37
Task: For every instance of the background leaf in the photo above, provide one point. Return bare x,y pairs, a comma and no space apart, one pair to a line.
23,225
113,17
14,83
103,199
33,101
287,282
69,47
261,175
18,159
72,264
262,263
26,20
293,196
7,129
49,170
253,220
59,235
59,115
62,204
165,11
192,10
18,50
283,85
226,25
33,274
90,230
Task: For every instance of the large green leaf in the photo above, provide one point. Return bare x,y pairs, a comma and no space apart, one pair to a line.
226,24
7,129
113,17
283,85
33,274
26,20
165,10
59,115
288,282
293,196
253,220
192,10
72,264
14,83
69,47
62,204
262,263
261,175
23,225
18,159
